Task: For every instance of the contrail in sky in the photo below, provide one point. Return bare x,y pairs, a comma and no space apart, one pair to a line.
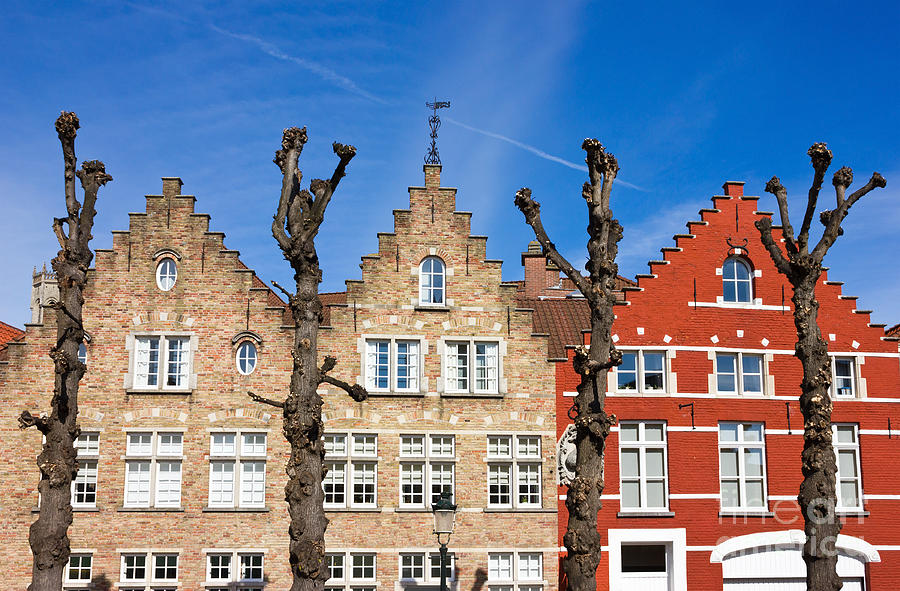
536,151
318,69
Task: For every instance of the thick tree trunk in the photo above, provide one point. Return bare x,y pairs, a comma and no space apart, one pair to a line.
817,495
303,430
802,267
296,222
48,535
592,424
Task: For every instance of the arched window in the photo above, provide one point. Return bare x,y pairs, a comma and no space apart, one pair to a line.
246,358
736,286
166,273
431,282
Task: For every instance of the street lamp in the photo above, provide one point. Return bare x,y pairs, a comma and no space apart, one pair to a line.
444,518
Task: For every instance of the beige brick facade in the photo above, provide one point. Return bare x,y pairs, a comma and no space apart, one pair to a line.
214,306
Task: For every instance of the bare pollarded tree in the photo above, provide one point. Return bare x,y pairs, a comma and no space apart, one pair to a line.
297,221
592,363
57,461
803,267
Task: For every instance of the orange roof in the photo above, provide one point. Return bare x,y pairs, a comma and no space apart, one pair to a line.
9,333
562,318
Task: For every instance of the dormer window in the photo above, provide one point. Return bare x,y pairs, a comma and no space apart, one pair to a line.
431,282
736,285
166,273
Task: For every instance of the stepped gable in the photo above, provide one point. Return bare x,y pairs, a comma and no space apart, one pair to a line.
430,227
680,301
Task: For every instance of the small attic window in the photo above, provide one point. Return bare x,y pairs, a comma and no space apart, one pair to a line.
166,274
736,282
431,282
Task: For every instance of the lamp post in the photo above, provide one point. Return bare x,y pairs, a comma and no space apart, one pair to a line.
444,519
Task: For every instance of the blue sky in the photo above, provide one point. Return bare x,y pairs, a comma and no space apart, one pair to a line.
686,97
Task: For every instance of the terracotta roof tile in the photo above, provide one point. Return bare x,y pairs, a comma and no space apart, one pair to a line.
893,331
9,333
563,319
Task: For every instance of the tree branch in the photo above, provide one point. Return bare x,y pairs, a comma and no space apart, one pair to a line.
833,219
93,176
821,160
258,398
283,290
292,142
323,190
60,232
764,226
531,209
327,366
66,128
842,180
356,392
26,420
775,187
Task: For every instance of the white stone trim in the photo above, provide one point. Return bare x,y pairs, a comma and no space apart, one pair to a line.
676,538
791,537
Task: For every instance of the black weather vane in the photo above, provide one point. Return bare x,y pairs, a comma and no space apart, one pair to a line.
434,122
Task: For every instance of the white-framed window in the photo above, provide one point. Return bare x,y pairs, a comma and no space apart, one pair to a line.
424,568
84,486
162,362
845,439
166,274
392,364
427,467
641,371
153,469
843,372
739,373
514,471
643,466
148,570
82,353
351,571
78,571
431,282
245,358
237,469
352,463
234,569
737,285
472,365
515,571
742,466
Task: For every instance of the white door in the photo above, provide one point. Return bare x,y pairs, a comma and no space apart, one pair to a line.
646,567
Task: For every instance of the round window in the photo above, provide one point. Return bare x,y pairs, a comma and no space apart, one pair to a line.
166,273
246,358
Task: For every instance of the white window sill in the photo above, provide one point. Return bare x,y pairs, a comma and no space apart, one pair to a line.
181,391
151,509
628,513
465,394
260,509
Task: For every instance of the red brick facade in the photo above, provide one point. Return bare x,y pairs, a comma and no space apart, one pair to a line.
678,310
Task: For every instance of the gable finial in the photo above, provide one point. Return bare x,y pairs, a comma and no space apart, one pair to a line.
434,122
